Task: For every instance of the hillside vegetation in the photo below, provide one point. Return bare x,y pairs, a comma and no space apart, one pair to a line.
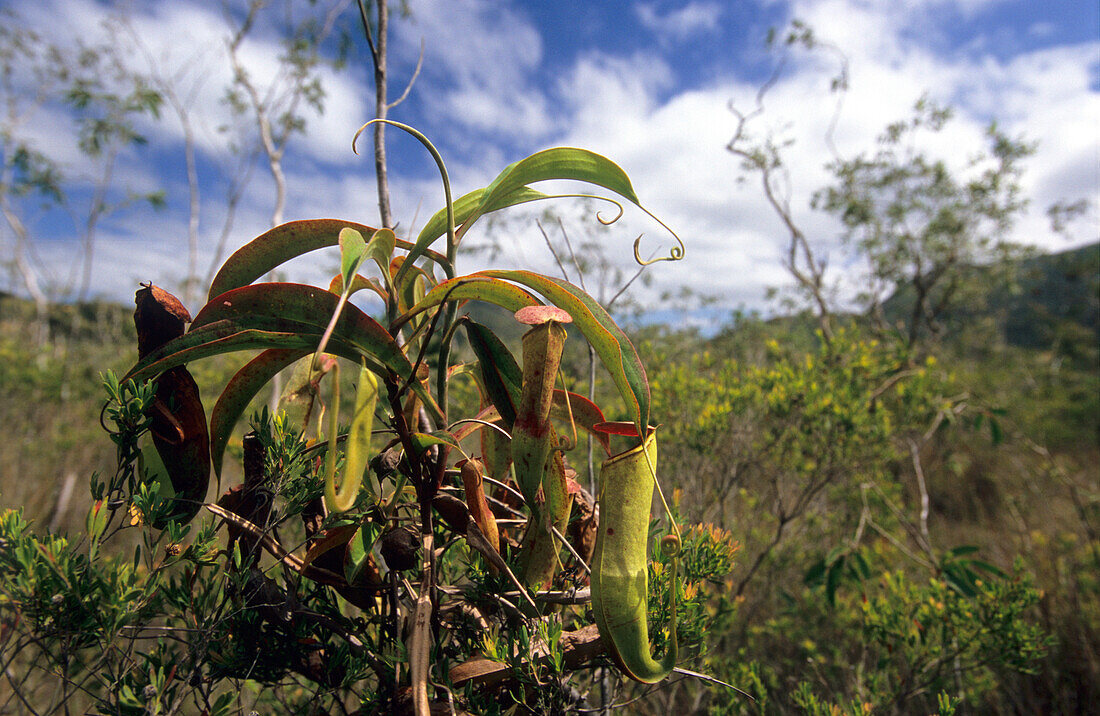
913,526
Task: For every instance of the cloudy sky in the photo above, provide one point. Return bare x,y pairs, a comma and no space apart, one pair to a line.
648,84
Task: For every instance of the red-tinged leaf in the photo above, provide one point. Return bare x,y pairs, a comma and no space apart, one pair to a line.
266,305
610,342
329,540
617,428
309,306
239,392
215,339
359,283
473,288
586,415
285,242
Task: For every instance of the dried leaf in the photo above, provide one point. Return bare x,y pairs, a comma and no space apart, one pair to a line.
159,317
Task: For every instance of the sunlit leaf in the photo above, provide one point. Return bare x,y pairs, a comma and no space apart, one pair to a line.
610,342
353,249
464,207
423,441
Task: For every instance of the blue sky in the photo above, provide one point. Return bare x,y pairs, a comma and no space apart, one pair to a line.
648,84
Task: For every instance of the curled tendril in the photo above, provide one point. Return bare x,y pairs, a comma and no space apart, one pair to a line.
452,241
478,421
599,215
612,220
675,253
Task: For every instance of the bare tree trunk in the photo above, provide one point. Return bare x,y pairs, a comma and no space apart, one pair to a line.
194,202
26,271
378,49
96,211
381,111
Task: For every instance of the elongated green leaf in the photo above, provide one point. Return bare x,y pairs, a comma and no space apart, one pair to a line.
500,374
287,241
211,340
511,188
283,316
561,163
239,392
464,207
313,307
557,163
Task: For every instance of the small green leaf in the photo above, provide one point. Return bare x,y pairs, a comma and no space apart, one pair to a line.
423,441
353,250
359,549
380,248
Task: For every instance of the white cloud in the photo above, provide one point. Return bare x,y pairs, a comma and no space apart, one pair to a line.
680,24
673,148
480,67
486,96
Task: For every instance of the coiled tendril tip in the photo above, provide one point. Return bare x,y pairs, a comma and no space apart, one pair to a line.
675,253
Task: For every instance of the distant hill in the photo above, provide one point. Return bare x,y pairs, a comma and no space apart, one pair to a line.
1050,294
1054,289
